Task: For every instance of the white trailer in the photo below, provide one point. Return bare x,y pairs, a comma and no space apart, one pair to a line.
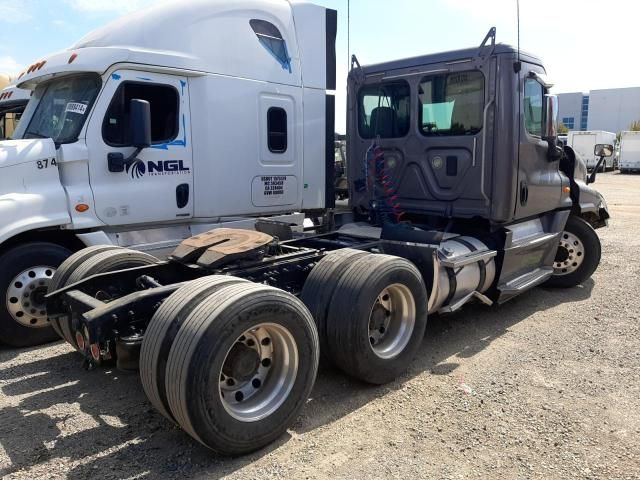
629,152
583,143
73,177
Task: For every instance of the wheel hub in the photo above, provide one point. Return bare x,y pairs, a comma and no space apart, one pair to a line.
391,321
25,296
242,362
258,372
569,256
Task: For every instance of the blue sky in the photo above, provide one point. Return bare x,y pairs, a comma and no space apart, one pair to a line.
585,44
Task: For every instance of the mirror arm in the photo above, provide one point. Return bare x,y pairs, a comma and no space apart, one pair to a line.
592,177
117,162
129,160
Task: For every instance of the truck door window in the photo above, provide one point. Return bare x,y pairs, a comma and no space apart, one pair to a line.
277,129
384,110
533,110
63,108
164,103
451,104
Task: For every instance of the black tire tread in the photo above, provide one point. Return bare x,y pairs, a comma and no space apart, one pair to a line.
166,322
65,270
223,306
320,285
346,311
109,260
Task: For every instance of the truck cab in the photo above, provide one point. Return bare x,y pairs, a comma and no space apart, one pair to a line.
238,129
12,103
465,142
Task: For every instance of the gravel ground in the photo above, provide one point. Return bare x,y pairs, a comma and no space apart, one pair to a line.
546,386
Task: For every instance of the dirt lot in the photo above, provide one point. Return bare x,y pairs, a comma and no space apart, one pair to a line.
546,386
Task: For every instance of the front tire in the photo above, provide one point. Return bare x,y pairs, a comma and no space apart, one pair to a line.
578,254
25,273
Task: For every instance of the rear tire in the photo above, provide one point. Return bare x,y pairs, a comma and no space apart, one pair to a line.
229,337
578,255
162,331
105,261
320,285
67,267
25,273
377,318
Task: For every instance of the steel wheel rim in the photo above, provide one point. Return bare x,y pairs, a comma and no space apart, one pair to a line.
25,296
570,255
251,395
391,321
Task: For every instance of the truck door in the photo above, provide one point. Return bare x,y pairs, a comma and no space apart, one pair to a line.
158,185
539,181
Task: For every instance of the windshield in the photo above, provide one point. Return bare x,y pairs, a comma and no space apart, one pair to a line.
63,108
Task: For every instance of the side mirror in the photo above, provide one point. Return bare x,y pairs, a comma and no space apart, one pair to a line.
140,123
603,150
550,130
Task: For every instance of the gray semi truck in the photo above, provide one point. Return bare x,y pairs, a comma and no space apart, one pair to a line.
458,192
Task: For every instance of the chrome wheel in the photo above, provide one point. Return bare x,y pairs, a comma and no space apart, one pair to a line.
570,254
258,372
391,321
25,296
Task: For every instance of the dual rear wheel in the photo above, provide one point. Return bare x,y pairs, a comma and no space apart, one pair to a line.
232,362
371,310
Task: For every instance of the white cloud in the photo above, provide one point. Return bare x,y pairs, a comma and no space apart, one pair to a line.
100,6
13,12
9,65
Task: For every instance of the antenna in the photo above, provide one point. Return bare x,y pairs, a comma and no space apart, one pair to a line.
348,34
518,64
518,14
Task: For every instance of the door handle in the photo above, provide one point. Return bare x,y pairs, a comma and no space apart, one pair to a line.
524,193
116,162
182,195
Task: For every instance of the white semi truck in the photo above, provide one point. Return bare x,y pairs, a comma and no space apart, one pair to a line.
72,177
583,142
629,156
13,101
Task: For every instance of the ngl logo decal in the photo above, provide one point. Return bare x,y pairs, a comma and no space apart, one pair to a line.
139,168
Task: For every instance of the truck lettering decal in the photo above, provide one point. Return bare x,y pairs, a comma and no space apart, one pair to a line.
139,168
46,163
273,185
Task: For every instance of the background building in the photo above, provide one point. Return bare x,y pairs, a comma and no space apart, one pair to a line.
612,109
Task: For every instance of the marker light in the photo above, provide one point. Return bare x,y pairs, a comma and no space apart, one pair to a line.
82,207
